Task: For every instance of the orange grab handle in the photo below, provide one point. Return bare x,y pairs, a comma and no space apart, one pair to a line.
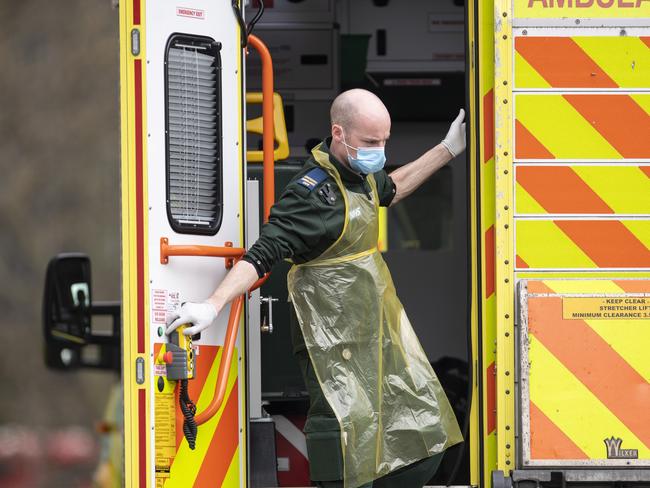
230,253
224,365
268,136
226,251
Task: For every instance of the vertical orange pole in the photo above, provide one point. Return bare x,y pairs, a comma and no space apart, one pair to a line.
268,136
224,365
268,147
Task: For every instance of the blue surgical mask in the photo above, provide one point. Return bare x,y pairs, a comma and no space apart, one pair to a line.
369,159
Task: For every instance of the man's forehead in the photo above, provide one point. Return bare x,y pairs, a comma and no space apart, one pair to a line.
373,135
371,126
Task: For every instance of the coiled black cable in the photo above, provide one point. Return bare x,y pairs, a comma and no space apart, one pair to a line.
189,410
246,30
256,18
240,21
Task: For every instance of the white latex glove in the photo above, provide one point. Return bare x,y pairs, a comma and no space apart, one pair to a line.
454,141
200,315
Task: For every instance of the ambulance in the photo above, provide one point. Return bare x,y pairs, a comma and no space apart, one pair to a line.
524,265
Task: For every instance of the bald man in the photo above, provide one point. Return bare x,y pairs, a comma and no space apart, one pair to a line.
377,415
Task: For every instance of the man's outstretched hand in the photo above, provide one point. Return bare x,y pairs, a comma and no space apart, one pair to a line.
200,315
454,141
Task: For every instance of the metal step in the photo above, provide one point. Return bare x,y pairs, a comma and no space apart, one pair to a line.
584,475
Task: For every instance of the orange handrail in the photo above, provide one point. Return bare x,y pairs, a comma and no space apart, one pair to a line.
226,251
232,254
268,136
224,365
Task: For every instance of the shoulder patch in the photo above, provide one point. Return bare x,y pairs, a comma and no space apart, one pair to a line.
312,178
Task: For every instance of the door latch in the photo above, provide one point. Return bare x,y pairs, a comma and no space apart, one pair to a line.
267,321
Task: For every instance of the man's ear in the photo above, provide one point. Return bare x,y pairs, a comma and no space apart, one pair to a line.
337,133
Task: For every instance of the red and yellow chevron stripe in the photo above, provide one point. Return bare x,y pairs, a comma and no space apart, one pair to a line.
487,217
589,379
582,244
588,189
582,126
215,460
582,62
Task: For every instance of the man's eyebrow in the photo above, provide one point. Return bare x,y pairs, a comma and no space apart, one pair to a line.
373,138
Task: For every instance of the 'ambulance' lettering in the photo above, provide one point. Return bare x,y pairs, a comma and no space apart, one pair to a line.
586,3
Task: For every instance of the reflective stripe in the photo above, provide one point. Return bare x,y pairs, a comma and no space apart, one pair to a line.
557,126
560,61
291,433
215,436
571,406
580,396
584,244
581,189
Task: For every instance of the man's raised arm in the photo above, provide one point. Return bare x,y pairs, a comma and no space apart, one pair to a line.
409,177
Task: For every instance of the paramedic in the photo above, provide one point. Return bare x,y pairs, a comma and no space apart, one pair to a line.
378,415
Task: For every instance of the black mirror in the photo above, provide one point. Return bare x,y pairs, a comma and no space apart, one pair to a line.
70,341
66,309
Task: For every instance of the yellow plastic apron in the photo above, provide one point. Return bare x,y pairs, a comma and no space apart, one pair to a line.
389,403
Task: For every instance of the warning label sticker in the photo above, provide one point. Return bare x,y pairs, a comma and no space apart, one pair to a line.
165,430
160,369
192,13
606,308
162,303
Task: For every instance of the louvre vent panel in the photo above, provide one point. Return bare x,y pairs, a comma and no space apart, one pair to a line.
182,54
196,76
193,97
204,186
191,220
189,179
202,87
177,159
204,131
193,134
191,93
183,104
186,110
178,97
199,121
198,148
196,213
206,136
204,166
205,203
185,57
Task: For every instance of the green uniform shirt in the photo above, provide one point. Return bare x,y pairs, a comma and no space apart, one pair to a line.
304,223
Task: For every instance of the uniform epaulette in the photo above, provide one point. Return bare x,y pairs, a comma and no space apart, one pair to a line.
311,179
